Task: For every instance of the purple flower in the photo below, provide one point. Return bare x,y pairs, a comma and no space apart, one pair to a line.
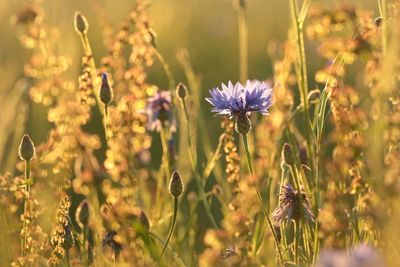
238,99
159,112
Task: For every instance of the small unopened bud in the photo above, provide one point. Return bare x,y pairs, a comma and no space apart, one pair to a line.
287,154
144,220
314,95
243,124
176,185
81,24
106,93
378,21
82,214
69,240
26,148
181,91
110,242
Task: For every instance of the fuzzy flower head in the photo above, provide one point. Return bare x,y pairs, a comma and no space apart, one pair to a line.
159,112
239,101
290,207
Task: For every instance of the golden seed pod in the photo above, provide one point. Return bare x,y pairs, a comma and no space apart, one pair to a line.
176,185
81,24
181,91
26,148
106,93
82,214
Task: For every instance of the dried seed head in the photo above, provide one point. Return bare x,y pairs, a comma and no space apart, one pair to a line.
106,93
81,24
26,148
243,123
176,185
181,91
82,214
144,220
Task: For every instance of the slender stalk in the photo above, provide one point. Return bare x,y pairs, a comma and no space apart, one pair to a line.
176,256
301,71
67,258
165,156
243,41
296,241
26,203
250,166
171,231
193,162
167,70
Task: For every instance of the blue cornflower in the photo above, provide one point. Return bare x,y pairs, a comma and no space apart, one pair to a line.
159,112
239,101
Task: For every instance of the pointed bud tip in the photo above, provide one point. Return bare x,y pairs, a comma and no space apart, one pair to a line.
106,93
176,185
181,91
81,24
26,148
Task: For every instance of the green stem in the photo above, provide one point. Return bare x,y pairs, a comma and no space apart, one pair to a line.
171,231
296,241
176,256
193,162
243,43
165,156
167,70
67,258
250,166
26,202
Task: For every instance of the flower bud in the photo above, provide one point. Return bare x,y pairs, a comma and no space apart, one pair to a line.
105,90
82,214
181,91
378,21
81,24
176,185
144,220
314,95
26,148
69,240
287,154
243,124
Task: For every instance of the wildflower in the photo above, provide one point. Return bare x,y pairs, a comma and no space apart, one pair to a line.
26,148
159,112
361,256
176,185
239,101
289,207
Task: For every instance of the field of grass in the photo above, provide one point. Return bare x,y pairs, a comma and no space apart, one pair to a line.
200,133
